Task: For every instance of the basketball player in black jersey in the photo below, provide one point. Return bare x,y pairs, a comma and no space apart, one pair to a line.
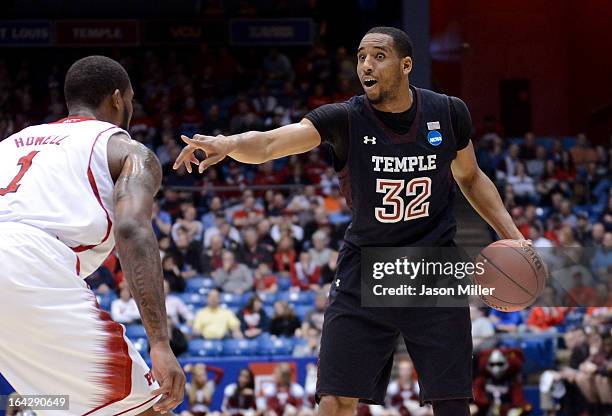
398,151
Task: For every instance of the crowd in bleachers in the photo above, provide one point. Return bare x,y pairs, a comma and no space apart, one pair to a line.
249,254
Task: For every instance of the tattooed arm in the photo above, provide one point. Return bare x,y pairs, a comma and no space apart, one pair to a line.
137,175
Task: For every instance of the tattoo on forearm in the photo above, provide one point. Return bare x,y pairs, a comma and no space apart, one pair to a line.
138,249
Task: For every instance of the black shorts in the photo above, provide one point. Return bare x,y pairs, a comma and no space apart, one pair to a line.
358,344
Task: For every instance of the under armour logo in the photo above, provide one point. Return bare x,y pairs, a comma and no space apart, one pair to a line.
367,140
337,282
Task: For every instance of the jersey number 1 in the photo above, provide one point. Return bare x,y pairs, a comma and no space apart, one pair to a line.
25,162
395,209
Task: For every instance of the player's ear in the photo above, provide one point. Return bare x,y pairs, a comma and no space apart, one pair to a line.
407,65
117,99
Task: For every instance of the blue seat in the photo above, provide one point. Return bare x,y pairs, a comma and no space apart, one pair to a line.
205,348
239,347
302,310
268,298
135,331
284,283
142,346
105,300
539,354
299,298
269,309
231,300
194,284
208,283
275,346
193,298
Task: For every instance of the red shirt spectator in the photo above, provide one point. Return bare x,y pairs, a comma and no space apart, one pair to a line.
305,274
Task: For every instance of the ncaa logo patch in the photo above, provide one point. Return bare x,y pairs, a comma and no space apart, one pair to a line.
434,138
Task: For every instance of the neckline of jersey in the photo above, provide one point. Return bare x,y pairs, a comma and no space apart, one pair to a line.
410,136
73,119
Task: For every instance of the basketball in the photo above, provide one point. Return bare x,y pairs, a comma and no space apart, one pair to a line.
515,272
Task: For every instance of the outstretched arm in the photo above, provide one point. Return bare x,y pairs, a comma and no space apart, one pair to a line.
250,147
137,174
482,194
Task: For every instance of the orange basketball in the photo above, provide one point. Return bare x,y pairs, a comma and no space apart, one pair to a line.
515,272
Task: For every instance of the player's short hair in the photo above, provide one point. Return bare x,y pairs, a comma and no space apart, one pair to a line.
91,79
401,41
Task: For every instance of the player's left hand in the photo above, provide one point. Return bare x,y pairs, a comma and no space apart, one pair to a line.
170,376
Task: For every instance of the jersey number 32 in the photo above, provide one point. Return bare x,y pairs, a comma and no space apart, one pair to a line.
395,209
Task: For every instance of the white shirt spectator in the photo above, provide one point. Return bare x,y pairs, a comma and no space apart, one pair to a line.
124,312
522,185
298,232
176,308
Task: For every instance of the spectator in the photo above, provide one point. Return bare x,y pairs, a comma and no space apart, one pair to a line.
124,309
232,277
309,348
582,153
201,389
482,328
249,215
178,341
252,254
162,221
318,97
277,69
215,322
527,150
546,316
314,317
602,260
507,166
403,391
581,293
239,398
506,322
320,253
537,167
101,281
187,254
522,185
328,271
567,216
265,281
253,318
176,309
286,227
172,274
229,235
284,322
283,396
285,255
212,256
215,209
305,274
264,103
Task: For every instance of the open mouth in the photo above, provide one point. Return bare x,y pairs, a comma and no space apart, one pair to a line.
369,82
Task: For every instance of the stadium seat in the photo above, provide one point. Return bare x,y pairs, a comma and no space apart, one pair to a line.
284,283
298,298
205,348
208,283
275,346
105,300
269,309
142,346
135,331
231,300
239,347
268,298
302,310
194,299
194,284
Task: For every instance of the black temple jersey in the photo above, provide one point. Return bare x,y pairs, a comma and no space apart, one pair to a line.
399,185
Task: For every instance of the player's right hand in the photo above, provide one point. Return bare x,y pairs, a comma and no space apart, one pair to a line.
215,148
170,376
